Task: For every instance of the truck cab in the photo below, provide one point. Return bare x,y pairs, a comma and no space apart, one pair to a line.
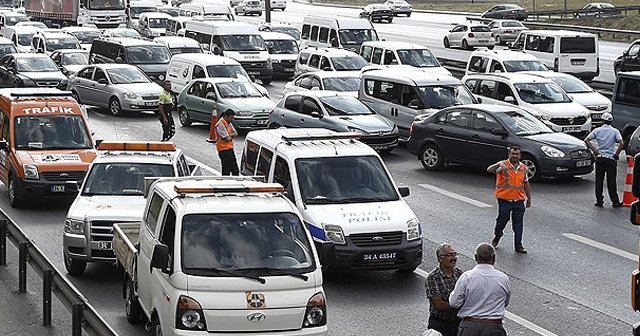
221,255
113,192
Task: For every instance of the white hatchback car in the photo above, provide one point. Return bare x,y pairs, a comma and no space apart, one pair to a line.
468,36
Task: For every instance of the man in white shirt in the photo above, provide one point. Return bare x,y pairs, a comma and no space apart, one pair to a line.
482,295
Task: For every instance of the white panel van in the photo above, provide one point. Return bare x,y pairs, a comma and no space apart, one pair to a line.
337,32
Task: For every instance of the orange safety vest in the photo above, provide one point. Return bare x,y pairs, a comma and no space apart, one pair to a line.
510,183
222,145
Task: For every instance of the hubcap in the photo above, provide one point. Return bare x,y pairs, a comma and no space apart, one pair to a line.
115,107
531,166
430,157
183,116
12,190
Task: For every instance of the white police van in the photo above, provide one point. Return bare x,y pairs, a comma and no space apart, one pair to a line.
344,192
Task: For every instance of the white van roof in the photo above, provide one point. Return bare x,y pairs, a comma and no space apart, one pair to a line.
205,59
222,27
156,15
342,22
177,42
559,33
276,36
417,76
504,54
394,45
143,4
181,18
321,146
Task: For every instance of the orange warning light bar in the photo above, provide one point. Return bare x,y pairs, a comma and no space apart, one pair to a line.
232,188
145,146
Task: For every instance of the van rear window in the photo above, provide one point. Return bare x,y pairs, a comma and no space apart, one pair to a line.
577,45
480,29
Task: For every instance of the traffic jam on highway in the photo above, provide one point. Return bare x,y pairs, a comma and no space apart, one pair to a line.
204,253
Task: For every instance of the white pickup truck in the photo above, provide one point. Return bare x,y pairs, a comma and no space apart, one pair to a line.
220,256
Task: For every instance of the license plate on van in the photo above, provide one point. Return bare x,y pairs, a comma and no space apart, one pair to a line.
379,257
57,188
578,62
571,129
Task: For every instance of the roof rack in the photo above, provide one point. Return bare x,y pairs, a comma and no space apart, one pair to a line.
40,94
289,139
230,188
145,146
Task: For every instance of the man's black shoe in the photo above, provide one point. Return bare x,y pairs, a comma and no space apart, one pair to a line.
598,204
617,205
495,241
521,249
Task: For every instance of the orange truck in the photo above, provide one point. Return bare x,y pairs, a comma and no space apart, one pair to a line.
46,145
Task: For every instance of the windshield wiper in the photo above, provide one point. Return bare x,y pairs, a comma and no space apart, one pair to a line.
363,199
227,273
275,271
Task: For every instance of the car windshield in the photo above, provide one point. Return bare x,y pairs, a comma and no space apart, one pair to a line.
523,123
293,32
237,244
127,76
86,37
516,66
541,93
122,179
25,39
36,64
124,33
344,105
107,4
148,55
237,90
6,49
185,50
356,36
344,179
12,20
51,132
347,63
571,84
420,58
227,71
75,58
441,96
242,42
136,11
512,24
282,46
62,43
341,83
157,22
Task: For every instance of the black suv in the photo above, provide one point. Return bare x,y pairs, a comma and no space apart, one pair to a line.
151,57
630,59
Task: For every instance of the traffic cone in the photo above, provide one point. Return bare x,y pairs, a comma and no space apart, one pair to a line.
213,135
627,197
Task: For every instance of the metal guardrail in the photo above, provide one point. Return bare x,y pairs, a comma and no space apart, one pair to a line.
603,12
84,316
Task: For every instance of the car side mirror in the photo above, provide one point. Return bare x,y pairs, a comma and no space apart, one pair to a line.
326,68
160,258
625,52
499,131
404,191
103,81
326,253
316,114
478,100
509,99
4,145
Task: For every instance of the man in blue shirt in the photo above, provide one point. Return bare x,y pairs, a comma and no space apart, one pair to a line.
606,155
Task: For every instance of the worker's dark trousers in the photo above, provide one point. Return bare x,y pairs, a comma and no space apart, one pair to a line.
470,328
229,163
606,166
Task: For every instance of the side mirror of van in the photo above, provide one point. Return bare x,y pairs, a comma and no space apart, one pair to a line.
625,52
499,131
326,253
404,191
160,258
510,100
316,114
4,145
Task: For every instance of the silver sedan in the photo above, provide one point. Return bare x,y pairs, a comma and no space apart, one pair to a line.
119,87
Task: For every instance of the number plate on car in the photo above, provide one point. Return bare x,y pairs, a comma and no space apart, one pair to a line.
151,103
254,72
571,129
104,245
57,188
262,122
379,257
483,41
583,163
289,69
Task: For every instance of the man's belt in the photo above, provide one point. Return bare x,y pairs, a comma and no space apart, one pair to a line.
482,320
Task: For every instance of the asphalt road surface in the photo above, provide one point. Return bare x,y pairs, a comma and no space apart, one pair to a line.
574,281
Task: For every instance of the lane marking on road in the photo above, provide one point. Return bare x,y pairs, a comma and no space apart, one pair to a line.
211,171
513,317
456,196
601,246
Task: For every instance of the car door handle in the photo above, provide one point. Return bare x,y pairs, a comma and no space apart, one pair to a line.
301,121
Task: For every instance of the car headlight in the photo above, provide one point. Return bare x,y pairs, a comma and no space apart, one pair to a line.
189,314
75,226
413,229
244,113
552,152
30,171
357,130
334,234
316,313
130,95
275,61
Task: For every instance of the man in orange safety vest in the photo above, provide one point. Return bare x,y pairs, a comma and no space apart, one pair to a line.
225,132
513,194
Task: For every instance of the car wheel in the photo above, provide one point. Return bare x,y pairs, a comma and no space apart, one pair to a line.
408,14
266,81
465,45
183,115
14,201
114,107
131,304
499,40
431,157
490,47
446,43
75,96
386,151
74,267
274,126
534,168
390,20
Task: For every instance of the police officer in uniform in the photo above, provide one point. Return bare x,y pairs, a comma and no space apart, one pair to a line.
165,104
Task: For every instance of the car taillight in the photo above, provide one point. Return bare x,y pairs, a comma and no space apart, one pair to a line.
471,35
